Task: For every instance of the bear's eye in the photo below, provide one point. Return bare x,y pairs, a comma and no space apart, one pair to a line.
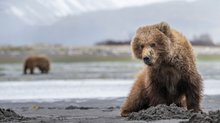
141,46
152,45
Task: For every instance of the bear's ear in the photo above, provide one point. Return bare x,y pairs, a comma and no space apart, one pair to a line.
165,28
135,46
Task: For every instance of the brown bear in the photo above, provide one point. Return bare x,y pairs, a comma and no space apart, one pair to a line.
41,62
170,74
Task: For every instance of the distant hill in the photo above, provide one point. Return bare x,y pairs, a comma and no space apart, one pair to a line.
191,18
112,42
201,40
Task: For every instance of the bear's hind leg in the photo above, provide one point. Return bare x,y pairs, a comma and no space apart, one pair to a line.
194,93
25,69
32,70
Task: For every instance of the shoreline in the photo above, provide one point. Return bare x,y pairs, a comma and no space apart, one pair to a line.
86,110
67,54
55,90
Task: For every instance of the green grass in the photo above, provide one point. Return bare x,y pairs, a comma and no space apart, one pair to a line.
117,58
90,59
10,59
68,59
208,58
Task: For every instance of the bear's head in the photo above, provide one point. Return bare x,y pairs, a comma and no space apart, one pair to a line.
151,43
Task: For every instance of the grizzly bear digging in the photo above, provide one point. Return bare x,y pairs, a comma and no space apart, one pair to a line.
169,75
40,62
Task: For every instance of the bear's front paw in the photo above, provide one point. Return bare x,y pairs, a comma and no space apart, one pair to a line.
124,113
197,110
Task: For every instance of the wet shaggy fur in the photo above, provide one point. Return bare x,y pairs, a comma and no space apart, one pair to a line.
169,74
40,62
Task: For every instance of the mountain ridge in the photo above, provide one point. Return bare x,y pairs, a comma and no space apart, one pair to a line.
86,29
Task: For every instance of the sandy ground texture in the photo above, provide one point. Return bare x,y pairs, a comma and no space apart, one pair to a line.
96,111
160,112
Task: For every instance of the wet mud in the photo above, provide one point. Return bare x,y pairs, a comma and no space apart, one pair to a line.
161,112
7,115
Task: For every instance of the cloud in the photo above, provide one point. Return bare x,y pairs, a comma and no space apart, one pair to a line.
18,12
44,11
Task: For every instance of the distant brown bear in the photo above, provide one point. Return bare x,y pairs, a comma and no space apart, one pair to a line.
169,75
40,62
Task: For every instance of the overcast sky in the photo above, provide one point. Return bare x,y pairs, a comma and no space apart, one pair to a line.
44,11
125,3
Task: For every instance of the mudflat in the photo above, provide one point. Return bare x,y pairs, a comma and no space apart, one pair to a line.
87,111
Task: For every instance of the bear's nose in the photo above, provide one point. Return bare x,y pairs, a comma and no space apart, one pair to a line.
146,60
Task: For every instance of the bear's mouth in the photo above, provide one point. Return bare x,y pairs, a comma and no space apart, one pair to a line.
149,64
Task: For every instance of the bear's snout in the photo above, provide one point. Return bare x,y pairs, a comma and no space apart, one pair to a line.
147,60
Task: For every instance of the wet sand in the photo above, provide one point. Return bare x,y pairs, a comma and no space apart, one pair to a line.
84,111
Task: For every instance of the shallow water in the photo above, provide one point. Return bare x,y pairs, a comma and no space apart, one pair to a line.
94,70
51,90
84,80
